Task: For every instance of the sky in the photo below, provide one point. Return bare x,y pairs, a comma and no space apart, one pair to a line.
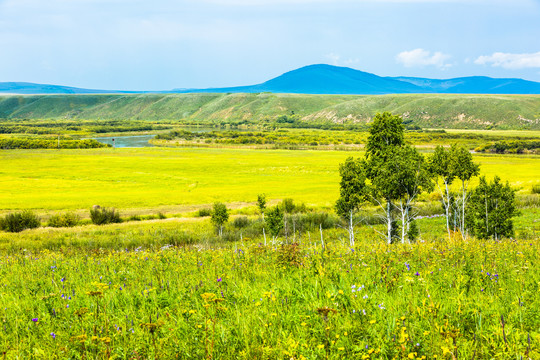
167,44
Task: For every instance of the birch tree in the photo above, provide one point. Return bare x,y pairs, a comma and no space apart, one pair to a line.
441,167
353,192
491,208
385,138
464,169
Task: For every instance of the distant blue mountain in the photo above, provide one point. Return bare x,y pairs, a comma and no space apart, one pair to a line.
327,79
475,85
31,88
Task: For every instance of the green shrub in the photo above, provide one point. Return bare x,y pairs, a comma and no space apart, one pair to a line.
134,218
204,212
68,219
536,189
241,222
161,216
17,222
100,216
287,205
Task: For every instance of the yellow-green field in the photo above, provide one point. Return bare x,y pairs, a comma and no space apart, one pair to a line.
158,177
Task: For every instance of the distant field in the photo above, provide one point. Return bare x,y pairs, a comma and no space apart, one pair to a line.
505,133
425,110
160,177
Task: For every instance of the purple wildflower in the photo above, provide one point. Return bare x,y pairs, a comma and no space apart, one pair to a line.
35,319
218,279
53,335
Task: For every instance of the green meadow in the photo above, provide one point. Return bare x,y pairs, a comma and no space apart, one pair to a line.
162,284
161,177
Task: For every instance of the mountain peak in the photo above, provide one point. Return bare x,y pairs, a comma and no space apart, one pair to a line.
331,79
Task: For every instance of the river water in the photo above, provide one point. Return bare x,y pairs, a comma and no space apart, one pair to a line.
131,141
136,141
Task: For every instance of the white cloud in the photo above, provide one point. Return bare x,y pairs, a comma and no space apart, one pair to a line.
421,57
335,59
510,61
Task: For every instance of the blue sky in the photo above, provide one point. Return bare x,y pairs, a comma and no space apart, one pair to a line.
166,44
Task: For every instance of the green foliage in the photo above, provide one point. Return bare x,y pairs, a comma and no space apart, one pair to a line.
102,216
204,212
353,190
288,206
261,202
274,219
413,232
220,215
511,147
16,143
535,189
491,209
241,222
17,222
461,163
386,132
68,219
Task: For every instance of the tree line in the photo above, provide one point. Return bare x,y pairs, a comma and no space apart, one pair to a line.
15,143
392,175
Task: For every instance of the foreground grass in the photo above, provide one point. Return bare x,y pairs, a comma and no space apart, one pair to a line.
160,177
442,300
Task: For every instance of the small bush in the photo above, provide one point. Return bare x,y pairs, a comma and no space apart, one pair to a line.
536,189
204,212
17,222
241,222
101,216
64,220
134,218
161,216
287,205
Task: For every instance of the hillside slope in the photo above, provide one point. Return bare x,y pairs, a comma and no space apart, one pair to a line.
427,110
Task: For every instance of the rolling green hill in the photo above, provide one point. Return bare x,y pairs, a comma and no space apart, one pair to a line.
425,110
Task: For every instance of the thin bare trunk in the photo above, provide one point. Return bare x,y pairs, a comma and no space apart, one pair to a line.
351,229
322,239
389,221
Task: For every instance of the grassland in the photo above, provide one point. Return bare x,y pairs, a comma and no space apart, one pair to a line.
160,177
433,300
428,110
172,288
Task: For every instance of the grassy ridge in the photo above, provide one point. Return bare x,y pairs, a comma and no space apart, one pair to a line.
153,177
426,110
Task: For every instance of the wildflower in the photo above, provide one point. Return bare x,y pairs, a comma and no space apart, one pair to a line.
417,273
365,297
408,266
53,335
35,320
219,279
